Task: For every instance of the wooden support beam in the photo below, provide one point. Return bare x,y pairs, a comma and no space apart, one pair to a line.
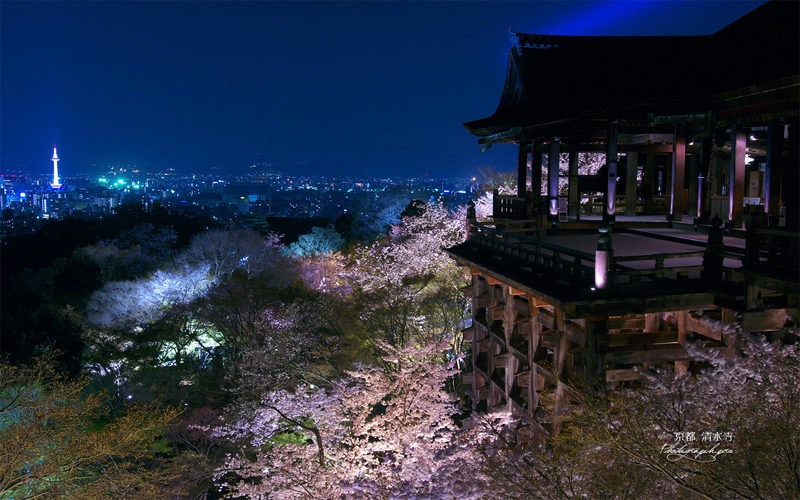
626,323
703,172
652,322
552,177
511,362
771,319
697,325
522,168
476,292
533,346
774,173
661,355
561,345
640,339
650,180
596,351
560,353
574,197
691,193
611,165
519,305
737,175
497,312
493,398
622,375
681,367
575,332
558,418
676,203
536,176
631,169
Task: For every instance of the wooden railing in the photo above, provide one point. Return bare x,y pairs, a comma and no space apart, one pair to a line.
773,250
586,270
658,270
534,253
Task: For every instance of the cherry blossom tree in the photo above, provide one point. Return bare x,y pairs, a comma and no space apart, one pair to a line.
137,302
226,251
406,286
375,433
729,431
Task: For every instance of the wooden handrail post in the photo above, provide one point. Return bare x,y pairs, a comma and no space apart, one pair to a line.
751,246
603,260
712,258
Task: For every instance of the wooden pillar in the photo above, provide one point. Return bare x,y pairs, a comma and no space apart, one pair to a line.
552,177
522,168
649,178
509,320
681,367
573,204
772,177
652,322
596,349
703,171
493,350
737,174
533,347
731,340
676,209
631,168
691,201
611,165
559,365
477,380
536,176
791,177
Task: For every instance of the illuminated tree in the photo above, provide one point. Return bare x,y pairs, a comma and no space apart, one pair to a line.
137,302
730,431
375,433
320,240
226,251
54,442
407,288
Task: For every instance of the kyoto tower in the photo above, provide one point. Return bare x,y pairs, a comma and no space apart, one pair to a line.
55,184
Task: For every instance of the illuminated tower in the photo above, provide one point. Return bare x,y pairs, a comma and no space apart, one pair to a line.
55,184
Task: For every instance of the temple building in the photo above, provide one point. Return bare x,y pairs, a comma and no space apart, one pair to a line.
699,221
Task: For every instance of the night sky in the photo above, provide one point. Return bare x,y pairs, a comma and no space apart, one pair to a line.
322,88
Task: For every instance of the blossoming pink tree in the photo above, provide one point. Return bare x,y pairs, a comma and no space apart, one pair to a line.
376,433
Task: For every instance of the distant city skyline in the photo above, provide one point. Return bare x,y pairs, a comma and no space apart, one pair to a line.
323,88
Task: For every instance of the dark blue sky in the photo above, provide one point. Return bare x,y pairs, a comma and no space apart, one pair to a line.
329,88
